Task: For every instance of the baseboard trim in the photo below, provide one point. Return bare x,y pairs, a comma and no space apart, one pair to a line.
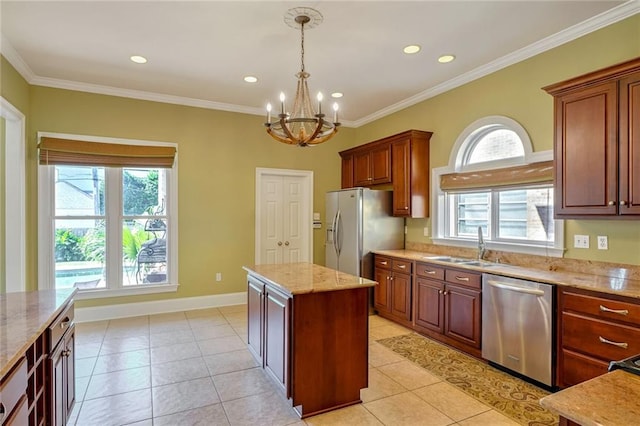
125,310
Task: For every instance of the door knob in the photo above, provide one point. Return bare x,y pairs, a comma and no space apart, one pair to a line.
279,243
286,243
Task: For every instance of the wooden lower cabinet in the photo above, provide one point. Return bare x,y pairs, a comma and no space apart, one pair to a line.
314,345
61,374
593,329
462,314
393,294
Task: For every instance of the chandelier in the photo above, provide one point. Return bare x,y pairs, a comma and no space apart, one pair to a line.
302,126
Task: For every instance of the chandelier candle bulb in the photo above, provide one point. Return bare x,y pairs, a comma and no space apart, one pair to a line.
335,112
319,103
269,113
282,101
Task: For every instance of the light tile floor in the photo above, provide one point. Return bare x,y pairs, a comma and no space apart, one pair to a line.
193,368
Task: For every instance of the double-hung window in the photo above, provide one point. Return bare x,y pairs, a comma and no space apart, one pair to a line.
107,215
495,183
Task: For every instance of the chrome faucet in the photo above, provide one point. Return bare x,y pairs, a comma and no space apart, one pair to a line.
481,246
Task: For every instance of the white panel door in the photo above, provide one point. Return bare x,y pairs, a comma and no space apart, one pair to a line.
283,217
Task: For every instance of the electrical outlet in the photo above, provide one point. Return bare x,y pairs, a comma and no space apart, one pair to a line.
603,242
425,231
581,241
218,276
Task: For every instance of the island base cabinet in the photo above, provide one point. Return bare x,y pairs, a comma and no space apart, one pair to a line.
314,345
62,379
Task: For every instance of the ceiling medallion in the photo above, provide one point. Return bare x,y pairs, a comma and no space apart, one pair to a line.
302,126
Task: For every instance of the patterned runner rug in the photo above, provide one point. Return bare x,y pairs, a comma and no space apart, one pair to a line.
509,395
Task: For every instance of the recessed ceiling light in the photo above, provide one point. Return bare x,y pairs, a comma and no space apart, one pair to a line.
446,58
139,59
336,95
411,49
250,79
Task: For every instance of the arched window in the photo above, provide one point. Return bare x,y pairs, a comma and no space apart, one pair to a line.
494,182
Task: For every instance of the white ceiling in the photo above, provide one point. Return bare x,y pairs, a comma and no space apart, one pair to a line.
200,51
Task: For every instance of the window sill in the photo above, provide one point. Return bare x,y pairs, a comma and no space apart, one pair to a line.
127,291
502,246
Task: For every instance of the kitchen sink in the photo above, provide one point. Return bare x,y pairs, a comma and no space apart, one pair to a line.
460,261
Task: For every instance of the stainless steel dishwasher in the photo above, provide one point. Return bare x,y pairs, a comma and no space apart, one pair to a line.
517,326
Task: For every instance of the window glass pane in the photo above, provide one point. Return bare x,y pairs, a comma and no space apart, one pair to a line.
526,214
79,253
496,145
79,191
144,251
143,191
472,211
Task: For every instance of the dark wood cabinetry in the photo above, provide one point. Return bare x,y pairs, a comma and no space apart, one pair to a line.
597,143
448,306
61,370
594,329
402,160
392,296
314,344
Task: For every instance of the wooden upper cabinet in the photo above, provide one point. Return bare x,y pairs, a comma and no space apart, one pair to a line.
372,166
402,160
597,146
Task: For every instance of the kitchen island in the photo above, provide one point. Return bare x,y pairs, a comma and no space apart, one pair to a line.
610,399
37,373
308,328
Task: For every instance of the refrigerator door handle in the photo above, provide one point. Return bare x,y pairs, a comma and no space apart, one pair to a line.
334,233
338,231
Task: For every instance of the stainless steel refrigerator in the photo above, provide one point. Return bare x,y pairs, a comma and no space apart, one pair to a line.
359,220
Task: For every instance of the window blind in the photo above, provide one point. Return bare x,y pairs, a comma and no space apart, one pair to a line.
55,151
535,173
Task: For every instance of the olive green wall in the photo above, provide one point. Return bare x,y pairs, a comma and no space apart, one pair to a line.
15,90
218,153
516,92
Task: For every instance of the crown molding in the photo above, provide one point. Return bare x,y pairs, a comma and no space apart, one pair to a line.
595,23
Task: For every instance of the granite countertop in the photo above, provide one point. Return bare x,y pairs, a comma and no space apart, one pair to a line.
23,317
605,284
610,399
301,278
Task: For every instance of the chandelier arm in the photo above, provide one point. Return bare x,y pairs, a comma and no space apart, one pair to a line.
285,128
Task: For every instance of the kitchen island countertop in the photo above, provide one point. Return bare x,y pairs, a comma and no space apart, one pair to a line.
610,399
23,317
302,278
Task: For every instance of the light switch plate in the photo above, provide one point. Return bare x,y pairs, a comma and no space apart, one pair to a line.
581,241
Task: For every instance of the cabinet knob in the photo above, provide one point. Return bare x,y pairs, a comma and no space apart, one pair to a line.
611,203
406,208
383,262
439,291
623,203
286,243
391,278
444,293
279,243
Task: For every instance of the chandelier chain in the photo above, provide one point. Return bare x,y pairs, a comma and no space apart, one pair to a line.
302,46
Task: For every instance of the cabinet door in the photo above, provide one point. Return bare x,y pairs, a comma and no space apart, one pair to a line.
255,302
69,372
429,305
276,357
362,169
629,92
401,170
381,164
586,152
462,314
382,292
56,386
347,171
401,296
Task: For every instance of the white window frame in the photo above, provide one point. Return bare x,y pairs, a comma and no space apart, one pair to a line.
46,241
458,152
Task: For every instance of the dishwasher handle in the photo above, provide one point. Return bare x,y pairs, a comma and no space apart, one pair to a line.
519,289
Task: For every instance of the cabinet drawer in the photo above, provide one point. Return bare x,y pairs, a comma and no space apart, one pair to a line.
403,266
13,387
59,326
383,262
429,271
601,307
600,339
465,278
577,368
